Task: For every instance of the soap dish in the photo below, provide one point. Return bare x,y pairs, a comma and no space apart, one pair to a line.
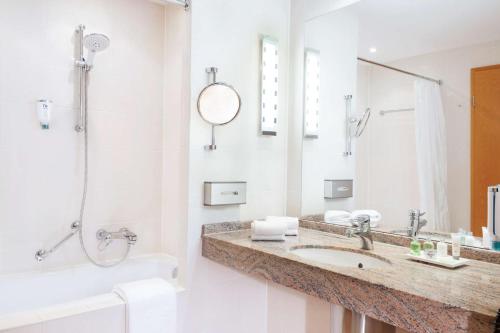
447,261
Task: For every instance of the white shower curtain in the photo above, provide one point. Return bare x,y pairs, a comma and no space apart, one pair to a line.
431,154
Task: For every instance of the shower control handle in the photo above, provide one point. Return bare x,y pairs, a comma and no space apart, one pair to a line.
107,236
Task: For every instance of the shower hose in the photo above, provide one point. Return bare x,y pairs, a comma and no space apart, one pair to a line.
85,183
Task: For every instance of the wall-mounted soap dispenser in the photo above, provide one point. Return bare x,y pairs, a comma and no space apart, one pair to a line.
43,111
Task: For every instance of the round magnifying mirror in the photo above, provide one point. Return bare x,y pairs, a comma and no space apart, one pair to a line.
219,103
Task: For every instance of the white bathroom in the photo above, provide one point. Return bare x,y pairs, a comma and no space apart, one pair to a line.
218,166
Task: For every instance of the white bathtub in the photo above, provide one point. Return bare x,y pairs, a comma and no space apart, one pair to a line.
76,299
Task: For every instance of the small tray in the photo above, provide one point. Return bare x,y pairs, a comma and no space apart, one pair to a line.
447,261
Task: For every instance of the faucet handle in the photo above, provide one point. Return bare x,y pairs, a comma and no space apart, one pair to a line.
363,222
414,213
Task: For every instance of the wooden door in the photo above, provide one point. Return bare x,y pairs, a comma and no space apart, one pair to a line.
485,140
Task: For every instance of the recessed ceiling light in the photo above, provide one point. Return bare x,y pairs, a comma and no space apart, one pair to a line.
373,50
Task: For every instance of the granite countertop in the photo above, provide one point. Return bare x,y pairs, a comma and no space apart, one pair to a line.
414,296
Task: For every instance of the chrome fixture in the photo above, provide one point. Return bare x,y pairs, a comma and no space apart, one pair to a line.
218,104
224,193
401,71
93,43
363,231
41,254
354,125
415,222
105,238
361,122
493,199
337,188
348,122
384,112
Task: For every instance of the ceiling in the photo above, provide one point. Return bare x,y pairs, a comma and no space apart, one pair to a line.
404,28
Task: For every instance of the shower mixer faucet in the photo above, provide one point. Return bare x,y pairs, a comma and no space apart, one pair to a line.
106,237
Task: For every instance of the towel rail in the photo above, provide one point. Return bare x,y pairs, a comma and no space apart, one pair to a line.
384,112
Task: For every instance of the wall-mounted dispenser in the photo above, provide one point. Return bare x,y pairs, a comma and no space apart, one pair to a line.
43,111
338,188
225,193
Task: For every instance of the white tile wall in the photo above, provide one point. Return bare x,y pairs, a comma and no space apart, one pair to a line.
41,171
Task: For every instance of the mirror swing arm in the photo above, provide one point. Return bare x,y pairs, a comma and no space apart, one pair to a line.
212,71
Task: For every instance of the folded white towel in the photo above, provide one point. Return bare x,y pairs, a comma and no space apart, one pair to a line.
342,222
150,305
345,218
268,238
265,228
291,222
337,215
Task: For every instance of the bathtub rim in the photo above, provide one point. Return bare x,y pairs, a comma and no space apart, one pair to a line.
18,320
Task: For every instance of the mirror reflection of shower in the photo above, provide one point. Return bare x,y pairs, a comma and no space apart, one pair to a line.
361,123
355,125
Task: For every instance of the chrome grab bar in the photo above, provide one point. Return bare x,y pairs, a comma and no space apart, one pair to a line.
41,254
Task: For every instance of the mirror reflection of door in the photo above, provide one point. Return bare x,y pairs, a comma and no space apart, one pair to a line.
485,140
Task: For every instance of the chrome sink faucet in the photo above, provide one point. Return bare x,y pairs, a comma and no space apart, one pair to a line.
415,223
363,231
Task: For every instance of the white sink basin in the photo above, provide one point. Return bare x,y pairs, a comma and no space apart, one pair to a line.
343,258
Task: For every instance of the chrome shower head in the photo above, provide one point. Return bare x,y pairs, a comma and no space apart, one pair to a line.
95,43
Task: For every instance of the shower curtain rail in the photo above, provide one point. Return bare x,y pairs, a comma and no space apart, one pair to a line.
400,70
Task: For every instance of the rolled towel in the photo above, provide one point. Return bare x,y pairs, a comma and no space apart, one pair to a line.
150,305
375,217
269,231
341,217
291,222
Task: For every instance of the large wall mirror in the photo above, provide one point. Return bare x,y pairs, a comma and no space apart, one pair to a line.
425,85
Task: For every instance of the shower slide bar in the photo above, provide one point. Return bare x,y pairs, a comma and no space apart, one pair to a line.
384,112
